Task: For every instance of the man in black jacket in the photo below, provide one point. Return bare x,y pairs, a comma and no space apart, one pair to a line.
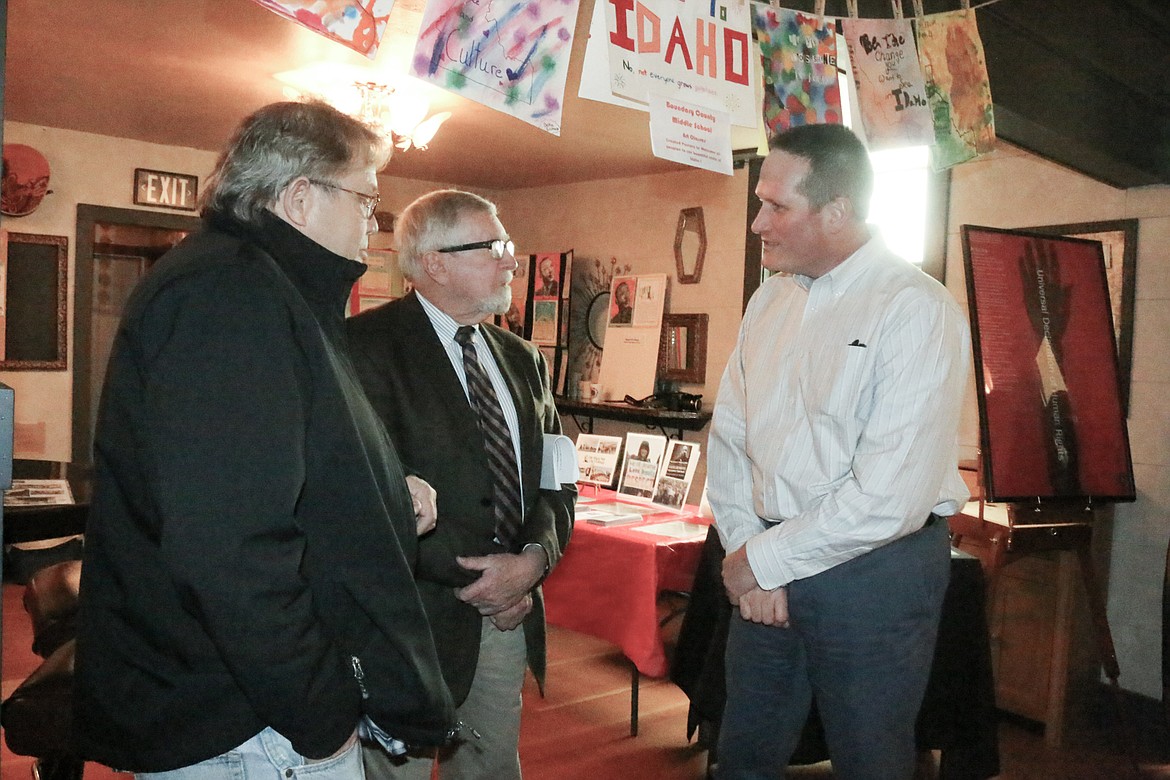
247,583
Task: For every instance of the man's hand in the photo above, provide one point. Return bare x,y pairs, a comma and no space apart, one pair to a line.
769,607
514,616
504,579
353,738
738,577
426,510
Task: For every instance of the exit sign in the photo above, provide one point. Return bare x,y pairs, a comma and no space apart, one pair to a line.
167,190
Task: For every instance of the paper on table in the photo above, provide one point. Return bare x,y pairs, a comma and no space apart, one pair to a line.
674,529
559,464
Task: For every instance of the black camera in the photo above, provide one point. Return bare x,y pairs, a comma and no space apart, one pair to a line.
672,402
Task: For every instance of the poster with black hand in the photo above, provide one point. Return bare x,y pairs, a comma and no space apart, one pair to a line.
1051,416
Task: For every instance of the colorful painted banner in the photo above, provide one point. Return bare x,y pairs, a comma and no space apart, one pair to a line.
951,54
510,55
891,91
698,51
799,56
356,24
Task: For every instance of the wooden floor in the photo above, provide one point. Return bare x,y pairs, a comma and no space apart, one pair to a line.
580,731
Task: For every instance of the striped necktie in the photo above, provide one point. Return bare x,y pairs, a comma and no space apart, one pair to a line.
497,441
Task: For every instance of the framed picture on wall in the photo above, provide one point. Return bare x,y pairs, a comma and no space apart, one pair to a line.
1052,424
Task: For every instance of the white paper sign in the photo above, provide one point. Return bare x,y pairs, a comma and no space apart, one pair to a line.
690,134
697,50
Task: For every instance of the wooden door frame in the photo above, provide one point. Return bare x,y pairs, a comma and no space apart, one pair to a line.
89,215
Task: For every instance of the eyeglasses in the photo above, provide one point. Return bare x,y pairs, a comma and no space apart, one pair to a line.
498,246
369,202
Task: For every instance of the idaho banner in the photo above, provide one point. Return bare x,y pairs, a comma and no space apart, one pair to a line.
697,51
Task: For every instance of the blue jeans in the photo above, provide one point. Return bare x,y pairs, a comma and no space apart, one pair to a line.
861,640
268,756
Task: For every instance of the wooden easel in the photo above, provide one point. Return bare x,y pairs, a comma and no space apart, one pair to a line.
1012,531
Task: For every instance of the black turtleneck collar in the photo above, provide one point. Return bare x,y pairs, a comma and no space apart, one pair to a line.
318,273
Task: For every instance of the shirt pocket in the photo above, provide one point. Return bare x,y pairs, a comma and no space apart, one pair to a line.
836,380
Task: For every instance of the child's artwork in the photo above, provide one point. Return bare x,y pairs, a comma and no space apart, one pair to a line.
510,56
799,56
356,24
957,87
891,91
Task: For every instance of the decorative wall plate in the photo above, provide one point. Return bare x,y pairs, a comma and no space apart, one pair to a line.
590,313
25,180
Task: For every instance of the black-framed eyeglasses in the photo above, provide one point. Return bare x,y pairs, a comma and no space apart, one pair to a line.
498,246
369,202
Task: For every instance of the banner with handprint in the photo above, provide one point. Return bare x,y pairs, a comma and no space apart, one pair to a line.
951,53
1051,412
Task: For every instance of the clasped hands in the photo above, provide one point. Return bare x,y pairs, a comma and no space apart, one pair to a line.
769,607
503,590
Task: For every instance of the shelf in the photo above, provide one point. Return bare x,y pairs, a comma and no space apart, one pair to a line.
663,419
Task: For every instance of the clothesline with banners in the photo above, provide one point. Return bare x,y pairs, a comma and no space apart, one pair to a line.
700,67
913,82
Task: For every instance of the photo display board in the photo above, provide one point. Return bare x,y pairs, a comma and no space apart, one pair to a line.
1052,424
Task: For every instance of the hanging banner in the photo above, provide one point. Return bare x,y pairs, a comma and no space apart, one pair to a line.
356,24
510,56
698,51
891,91
799,57
951,54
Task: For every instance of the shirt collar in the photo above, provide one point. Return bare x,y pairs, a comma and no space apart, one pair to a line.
442,322
849,270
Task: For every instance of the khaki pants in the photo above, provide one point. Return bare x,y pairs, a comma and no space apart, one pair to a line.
492,709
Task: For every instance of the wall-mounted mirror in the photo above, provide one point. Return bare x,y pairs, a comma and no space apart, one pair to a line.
690,245
682,351
33,302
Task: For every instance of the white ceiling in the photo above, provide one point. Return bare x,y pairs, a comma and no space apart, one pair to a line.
184,72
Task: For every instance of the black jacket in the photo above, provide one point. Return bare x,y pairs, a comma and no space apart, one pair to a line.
415,391
251,532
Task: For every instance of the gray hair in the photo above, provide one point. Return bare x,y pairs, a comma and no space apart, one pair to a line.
283,141
430,222
839,165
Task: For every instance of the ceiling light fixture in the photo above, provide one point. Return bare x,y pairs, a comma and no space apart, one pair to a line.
398,112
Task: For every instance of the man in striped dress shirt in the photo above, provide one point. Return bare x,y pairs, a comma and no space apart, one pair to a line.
833,466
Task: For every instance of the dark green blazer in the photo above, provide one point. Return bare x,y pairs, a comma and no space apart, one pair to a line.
414,389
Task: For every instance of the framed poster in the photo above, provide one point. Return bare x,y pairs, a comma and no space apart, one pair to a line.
1119,242
1052,424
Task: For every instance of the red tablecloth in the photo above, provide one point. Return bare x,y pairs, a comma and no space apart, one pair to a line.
608,581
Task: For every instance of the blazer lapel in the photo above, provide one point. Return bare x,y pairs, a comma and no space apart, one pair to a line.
430,359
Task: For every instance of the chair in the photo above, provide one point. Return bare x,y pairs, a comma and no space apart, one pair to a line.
38,716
